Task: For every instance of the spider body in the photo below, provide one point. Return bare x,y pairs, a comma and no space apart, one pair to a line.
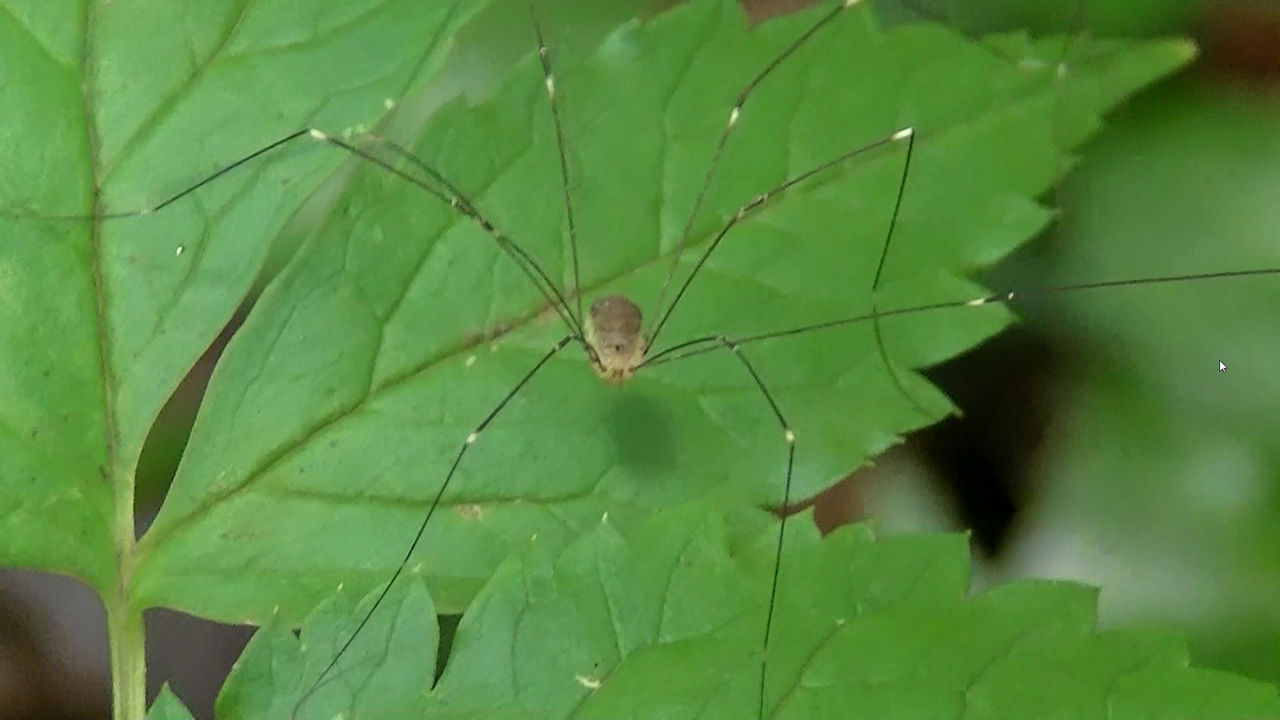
613,335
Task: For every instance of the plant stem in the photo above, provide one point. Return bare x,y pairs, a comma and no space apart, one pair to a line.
125,630
128,661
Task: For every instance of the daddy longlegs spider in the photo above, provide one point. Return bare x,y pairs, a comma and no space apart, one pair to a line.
611,332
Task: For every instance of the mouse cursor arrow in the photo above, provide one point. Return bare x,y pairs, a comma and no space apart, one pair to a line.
1222,367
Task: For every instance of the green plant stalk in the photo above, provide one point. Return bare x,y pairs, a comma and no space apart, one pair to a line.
125,630
128,662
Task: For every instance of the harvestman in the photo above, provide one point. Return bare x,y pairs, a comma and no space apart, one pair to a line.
611,332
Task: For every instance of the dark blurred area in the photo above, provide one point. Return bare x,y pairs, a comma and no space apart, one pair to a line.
996,470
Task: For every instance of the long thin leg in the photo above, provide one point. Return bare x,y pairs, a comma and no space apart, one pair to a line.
549,82
759,200
431,509
881,348
705,344
462,204
789,437
1076,28
452,198
875,283
215,175
1079,20
735,113
464,207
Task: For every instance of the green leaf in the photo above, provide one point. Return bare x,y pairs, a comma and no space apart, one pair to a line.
339,407
167,706
380,675
110,108
664,620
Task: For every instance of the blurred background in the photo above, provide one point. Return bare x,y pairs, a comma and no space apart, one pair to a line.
1099,442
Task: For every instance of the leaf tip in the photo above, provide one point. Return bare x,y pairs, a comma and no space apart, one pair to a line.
1186,49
